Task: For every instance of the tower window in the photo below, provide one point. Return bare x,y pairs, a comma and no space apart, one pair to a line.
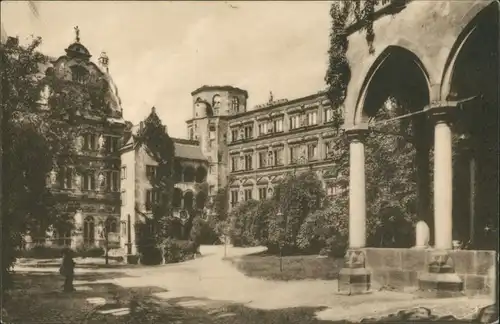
235,105
79,74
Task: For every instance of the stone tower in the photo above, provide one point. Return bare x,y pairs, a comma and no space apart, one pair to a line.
212,106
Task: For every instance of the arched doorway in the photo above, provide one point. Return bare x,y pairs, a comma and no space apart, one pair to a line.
398,190
89,230
189,174
474,75
188,200
177,198
201,174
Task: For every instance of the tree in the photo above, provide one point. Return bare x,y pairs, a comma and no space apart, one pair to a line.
42,115
161,148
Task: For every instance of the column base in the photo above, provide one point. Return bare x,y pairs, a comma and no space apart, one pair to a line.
440,279
354,278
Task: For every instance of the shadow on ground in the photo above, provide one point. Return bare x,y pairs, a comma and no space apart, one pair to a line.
37,298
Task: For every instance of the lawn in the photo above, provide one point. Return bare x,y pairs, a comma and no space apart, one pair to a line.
295,267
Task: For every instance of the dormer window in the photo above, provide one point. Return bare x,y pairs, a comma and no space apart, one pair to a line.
79,74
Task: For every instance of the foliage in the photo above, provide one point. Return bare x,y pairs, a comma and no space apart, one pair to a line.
178,250
204,231
345,14
41,119
160,147
50,252
296,197
240,220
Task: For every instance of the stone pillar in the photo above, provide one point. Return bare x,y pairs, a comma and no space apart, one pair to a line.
440,280
354,278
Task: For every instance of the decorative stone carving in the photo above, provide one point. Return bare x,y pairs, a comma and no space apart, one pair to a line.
53,177
78,181
101,180
354,259
100,142
440,262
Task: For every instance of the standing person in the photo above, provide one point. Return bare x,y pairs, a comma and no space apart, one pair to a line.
68,270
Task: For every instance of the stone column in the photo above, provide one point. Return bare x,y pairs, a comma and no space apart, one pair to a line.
443,175
354,278
357,187
440,280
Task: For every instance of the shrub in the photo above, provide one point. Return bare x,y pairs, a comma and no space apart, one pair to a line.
42,252
90,252
241,221
178,250
204,232
149,255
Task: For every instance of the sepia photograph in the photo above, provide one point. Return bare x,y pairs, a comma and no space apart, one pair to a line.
249,162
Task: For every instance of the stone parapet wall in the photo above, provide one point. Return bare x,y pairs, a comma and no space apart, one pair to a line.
399,268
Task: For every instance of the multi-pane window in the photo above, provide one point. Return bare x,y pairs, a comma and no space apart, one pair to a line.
328,149
234,135
278,156
111,144
79,74
89,181
152,198
262,159
66,178
234,197
294,154
235,104
312,118
151,172
312,150
234,163
90,141
262,128
112,181
123,197
248,131
248,162
248,194
294,121
278,125
327,115
331,190
124,172
262,193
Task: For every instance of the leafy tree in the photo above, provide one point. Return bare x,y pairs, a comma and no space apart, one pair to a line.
161,148
241,220
42,116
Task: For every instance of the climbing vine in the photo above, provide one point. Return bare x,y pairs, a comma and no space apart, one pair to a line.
161,148
345,14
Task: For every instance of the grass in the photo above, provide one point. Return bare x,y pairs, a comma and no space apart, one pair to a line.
295,267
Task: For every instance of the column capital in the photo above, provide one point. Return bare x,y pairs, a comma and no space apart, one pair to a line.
356,133
442,112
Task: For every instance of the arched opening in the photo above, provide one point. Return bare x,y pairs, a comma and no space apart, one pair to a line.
201,199
178,172
111,225
189,174
397,86
188,200
474,74
216,100
177,198
201,174
89,230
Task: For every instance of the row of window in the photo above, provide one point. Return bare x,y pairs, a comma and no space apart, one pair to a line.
92,142
106,179
275,157
264,193
309,118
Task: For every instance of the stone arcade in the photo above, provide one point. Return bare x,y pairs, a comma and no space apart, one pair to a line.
439,58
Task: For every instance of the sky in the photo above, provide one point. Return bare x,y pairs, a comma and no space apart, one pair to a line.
159,51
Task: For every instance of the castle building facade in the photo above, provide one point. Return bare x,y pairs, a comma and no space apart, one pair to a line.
90,187
250,151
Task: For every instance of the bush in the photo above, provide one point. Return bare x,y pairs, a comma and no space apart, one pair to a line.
178,250
90,252
204,232
42,252
241,222
149,255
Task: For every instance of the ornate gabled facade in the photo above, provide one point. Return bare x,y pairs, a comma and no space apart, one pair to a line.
94,189
137,195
